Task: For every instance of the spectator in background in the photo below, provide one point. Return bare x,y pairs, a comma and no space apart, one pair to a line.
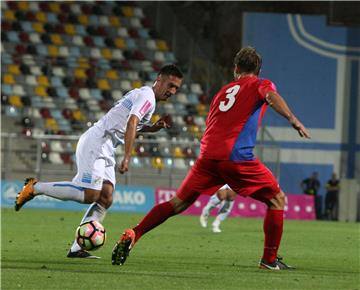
311,186
332,198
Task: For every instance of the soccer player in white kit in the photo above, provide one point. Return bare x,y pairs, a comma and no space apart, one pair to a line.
95,152
225,197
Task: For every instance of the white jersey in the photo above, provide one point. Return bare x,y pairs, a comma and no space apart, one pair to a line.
140,102
95,151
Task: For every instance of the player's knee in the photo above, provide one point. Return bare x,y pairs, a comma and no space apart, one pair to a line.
91,195
231,195
279,200
105,200
221,194
106,195
179,205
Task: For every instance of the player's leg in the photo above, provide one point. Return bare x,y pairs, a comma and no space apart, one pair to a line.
224,212
252,178
95,212
84,188
213,202
201,179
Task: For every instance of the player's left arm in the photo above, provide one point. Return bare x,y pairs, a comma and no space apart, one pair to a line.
162,123
129,138
280,106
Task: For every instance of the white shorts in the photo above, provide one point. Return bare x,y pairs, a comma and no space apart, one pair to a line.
95,160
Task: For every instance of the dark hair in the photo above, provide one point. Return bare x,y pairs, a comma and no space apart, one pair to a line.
248,60
171,70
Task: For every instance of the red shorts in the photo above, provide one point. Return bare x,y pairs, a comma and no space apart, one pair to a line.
247,178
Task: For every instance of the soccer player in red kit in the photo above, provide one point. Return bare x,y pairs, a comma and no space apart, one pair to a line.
226,157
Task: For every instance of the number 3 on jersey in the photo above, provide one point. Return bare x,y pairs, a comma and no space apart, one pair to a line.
231,93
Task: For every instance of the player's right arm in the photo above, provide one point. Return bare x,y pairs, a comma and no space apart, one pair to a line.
268,93
280,106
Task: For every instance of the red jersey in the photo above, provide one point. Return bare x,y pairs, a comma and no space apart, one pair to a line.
235,115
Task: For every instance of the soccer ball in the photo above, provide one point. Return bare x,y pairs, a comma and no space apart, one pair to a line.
90,235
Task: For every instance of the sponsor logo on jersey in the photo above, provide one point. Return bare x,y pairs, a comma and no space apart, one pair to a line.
145,108
86,178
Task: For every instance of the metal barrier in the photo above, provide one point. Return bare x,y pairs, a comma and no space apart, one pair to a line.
23,156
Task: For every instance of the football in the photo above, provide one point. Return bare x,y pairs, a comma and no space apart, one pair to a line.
90,235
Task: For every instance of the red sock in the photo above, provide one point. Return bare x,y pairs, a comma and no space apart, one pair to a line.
273,228
155,217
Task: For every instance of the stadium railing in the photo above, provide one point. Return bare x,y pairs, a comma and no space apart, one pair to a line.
154,163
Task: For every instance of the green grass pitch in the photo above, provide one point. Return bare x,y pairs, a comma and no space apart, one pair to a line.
177,255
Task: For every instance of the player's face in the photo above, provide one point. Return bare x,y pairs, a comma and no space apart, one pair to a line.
166,86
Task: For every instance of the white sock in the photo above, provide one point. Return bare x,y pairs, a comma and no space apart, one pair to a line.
95,212
225,210
213,202
64,190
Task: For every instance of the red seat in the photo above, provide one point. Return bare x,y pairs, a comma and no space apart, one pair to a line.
86,9
101,31
45,113
24,37
65,8
138,55
91,73
12,5
133,33
74,93
30,16
67,113
44,6
5,25
79,83
63,18
88,41
59,28
20,49
189,120
66,158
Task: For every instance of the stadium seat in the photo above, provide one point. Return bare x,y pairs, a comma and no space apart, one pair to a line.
41,16
41,91
122,32
9,15
15,101
8,79
13,37
157,163
151,44
162,45
84,94
117,95
18,90
13,69
54,7
120,43
127,11
125,85
55,158
95,53
23,5
179,163
56,39
31,80
38,27
64,51
43,81
112,74
103,84
106,53
114,21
